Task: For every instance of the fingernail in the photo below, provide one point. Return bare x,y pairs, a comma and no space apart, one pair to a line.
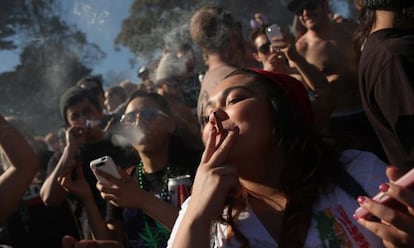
384,187
355,217
361,199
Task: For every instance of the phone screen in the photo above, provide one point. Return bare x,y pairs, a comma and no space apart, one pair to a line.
273,31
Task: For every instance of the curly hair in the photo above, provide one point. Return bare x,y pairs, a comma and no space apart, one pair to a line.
312,167
211,28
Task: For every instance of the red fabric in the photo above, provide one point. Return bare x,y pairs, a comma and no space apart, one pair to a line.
293,89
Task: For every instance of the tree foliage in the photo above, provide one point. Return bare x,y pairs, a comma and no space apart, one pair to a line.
154,25
54,56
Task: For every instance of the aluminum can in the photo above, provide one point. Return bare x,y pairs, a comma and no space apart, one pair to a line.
179,189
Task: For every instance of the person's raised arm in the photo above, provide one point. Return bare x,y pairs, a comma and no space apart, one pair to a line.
52,193
313,78
81,189
213,182
17,178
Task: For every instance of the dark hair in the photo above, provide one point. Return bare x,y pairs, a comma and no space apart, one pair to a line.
404,18
155,97
73,96
97,79
366,20
179,152
312,164
254,34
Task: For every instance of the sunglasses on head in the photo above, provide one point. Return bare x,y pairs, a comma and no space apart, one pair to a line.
145,114
265,48
310,5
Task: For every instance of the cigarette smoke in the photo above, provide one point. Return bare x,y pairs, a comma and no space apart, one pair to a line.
125,136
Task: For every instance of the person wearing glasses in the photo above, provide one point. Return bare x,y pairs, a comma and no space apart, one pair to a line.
278,55
84,141
142,212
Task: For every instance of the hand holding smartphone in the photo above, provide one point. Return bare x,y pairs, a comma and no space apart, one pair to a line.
406,181
107,165
273,31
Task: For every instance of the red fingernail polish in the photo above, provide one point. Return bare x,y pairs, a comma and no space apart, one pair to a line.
384,187
355,217
361,199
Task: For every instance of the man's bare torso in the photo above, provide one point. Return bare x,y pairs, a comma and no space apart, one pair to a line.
334,55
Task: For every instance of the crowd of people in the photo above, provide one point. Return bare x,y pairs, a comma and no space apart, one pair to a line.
275,145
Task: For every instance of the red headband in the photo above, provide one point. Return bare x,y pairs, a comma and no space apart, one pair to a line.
294,89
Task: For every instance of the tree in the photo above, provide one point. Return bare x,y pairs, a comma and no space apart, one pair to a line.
54,56
154,25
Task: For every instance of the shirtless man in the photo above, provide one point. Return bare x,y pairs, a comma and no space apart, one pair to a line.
329,46
281,56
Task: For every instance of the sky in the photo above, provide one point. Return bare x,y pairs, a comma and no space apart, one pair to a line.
101,20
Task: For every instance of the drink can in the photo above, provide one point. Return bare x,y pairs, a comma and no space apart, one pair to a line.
179,189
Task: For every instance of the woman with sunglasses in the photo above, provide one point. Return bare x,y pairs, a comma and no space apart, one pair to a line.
145,215
266,180
280,55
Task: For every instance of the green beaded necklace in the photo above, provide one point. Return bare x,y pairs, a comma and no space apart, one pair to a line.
164,190
150,236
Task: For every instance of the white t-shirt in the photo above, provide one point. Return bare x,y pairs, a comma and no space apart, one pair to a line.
332,224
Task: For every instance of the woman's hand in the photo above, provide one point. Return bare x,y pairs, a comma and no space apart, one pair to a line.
124,192
285,45
215,179
396,228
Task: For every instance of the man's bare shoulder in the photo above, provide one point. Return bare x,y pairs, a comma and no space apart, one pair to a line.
302,43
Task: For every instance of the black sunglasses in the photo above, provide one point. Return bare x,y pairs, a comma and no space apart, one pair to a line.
310,5
265,48
145,114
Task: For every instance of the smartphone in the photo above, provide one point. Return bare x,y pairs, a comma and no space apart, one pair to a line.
220,128
107,165
273,31
406,181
